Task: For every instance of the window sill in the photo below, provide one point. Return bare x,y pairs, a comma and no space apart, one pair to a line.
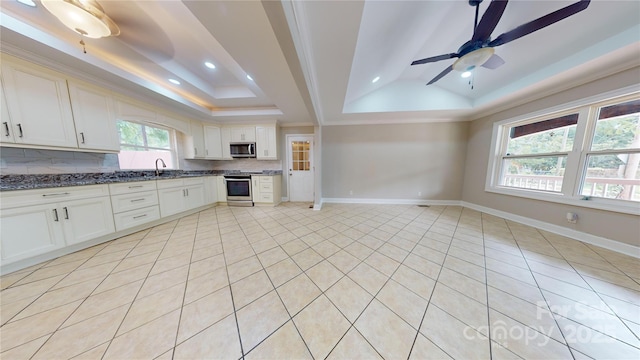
625,207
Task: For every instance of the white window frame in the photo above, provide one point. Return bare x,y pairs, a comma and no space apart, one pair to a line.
172,142
576,165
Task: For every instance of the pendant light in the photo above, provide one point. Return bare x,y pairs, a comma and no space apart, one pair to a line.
85,17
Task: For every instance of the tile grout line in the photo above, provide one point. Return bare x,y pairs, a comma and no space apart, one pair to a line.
280,298
76,309
186,285
613,312
432,291
540,290
138,293
352,324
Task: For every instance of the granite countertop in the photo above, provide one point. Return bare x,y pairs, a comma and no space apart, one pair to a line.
42,181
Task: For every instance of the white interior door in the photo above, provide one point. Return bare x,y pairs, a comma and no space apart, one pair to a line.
301,168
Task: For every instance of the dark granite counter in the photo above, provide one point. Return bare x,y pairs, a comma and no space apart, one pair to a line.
42,181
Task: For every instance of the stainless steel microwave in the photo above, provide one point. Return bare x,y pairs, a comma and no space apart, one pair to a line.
243,150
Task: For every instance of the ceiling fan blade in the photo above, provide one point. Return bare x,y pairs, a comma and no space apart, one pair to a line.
494,62
441,75
539,23
435,58
489,20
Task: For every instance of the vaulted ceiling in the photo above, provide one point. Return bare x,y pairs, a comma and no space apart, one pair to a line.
313,62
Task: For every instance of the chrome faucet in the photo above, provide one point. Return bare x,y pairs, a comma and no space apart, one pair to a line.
160,171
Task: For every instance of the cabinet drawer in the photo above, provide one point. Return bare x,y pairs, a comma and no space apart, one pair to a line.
265,198
193,181
266,188
20,198
131,187
126,202
133,218
266,180
169,183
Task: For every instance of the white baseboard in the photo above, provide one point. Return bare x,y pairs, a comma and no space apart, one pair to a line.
390,201
317,206
602,242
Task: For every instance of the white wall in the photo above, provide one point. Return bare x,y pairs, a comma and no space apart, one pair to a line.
394,161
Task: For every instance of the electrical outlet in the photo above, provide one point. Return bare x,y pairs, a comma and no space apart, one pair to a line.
572,217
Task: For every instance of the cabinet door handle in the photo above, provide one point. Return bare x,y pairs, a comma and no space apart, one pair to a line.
195,149
66,213
6,128
135,186
55,215
187,190
56,194
20,129
184,193
134,200
82,136
207,151
140,216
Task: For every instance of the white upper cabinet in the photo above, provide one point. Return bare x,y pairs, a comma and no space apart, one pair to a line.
266,143
94,116
38,105
7,126
197,132
243,134
225,140
212,142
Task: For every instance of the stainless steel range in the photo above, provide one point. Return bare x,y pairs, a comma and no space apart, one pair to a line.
238,190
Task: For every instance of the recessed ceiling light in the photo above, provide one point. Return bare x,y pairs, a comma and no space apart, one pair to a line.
209,65
27,2
249,77
466,74
375,79
174,81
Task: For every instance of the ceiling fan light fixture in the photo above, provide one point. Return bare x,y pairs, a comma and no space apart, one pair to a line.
465,74
473,59
85,17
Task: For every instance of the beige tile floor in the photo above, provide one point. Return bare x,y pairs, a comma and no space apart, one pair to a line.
346,282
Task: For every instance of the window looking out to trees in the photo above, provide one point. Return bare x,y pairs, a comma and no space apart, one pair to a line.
141,145
614,155
536,154
589,153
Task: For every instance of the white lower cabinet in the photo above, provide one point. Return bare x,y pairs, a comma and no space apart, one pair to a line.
131,218
211,189
266,189
29,231
54,219
222,189
86,219
39,224
134,203
178,195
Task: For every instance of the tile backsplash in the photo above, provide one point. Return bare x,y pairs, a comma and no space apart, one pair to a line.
247,165
33,161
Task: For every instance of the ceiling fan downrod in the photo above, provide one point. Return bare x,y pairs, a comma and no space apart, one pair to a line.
475,3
